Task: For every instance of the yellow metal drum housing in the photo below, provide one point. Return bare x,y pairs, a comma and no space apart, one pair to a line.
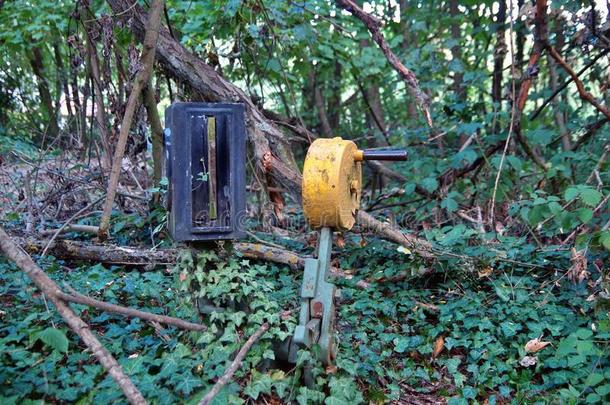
332,182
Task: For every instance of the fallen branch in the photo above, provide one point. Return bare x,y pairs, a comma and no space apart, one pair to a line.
71,228
264,252
77,298
77,250
61,228
421,246
374,26
111,254
52,291
141,80
235,364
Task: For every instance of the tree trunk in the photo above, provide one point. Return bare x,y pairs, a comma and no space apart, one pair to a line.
334,101
499,53
408,41
325,127
456,51
456,58
558,112
156,129
93,68
46,100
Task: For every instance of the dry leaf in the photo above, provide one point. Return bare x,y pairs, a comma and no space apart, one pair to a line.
535,345
331,369
278,204
486,272
578,271
439,344
404,250
340,241
363,241
528,361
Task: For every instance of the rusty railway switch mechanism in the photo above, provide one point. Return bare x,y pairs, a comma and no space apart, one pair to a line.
331,191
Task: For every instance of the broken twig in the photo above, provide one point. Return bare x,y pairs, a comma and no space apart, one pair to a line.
129,312
226,377
52,291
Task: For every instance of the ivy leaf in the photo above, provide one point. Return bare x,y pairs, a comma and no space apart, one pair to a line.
449,204
566,346
343,390
55,338
261,384
308,396
188,382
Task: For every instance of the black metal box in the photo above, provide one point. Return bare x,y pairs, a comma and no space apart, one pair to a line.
205,164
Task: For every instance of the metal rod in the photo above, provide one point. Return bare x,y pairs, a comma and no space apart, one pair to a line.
373,154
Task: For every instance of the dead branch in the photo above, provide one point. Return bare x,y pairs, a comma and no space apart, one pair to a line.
373,24
590,131
421,246
265,252
141,80
156,128
584,94
77,250
77,298
52,291
235,364
61,228
71,228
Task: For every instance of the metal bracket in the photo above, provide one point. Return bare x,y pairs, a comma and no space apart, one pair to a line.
317,314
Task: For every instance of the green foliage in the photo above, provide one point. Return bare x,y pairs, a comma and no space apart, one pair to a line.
54,338
495,285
